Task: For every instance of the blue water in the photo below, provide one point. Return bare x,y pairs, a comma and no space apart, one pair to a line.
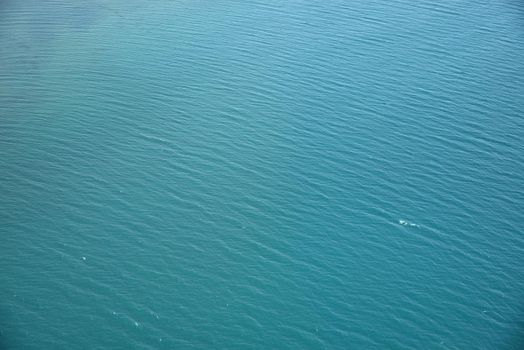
262,174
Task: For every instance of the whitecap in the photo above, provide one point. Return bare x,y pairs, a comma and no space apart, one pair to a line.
407,223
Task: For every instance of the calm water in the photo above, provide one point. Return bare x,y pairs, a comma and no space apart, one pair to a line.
262,174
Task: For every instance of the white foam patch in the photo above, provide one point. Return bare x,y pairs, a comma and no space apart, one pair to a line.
407,223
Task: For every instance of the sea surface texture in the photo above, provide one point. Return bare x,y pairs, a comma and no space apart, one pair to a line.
262,174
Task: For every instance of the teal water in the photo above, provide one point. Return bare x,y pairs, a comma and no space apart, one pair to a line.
262,174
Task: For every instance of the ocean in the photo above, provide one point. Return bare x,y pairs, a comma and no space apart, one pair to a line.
261,174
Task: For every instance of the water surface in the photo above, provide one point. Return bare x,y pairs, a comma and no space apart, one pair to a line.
262,174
